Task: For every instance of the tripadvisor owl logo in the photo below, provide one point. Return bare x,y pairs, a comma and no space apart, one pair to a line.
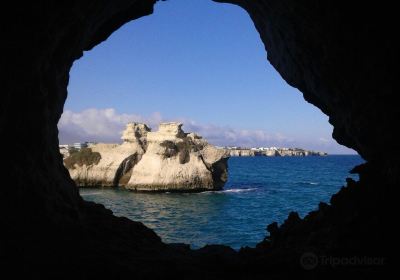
309,260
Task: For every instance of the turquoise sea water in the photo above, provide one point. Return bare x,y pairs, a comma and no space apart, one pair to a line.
260,190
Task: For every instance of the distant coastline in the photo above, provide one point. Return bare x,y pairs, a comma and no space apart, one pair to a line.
270,152
231,151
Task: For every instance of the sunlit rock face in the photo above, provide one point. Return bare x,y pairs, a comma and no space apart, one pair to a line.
136,133
166,160
176,161
343,58
116,160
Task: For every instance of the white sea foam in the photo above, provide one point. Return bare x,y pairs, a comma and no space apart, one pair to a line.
309,183
93,193
230,191
239,190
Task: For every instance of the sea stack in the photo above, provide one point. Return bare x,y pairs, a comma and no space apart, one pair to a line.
166,160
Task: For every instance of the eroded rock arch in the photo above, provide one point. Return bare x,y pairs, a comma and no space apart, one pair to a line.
341,57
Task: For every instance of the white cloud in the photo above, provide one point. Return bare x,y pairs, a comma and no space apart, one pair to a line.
225,135
106,125
324,140
102,125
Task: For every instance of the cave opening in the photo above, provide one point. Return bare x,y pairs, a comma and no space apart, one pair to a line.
144,69
201,68
338,56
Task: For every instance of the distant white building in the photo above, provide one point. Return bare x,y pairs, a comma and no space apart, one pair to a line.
80,145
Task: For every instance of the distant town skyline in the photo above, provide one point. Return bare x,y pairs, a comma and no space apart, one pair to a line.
198,62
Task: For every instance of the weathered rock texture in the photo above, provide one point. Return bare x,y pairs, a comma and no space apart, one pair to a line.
342,57
116,160
177,161
166,160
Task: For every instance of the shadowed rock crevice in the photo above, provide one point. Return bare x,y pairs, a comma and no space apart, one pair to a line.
219,171
343,58
124,171
171,149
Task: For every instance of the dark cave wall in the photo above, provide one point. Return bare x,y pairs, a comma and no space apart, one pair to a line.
40,41
341,56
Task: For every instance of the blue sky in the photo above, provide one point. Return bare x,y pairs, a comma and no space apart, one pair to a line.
195,61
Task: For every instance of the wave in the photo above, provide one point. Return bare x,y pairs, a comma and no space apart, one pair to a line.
94,193
309,183
239,190
231,191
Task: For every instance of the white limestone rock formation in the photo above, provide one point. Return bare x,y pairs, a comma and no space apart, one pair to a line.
177,161
116,160
166,160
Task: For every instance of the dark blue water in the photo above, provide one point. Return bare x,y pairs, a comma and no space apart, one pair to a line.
260,190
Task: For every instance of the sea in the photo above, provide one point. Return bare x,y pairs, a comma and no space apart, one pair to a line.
260,190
